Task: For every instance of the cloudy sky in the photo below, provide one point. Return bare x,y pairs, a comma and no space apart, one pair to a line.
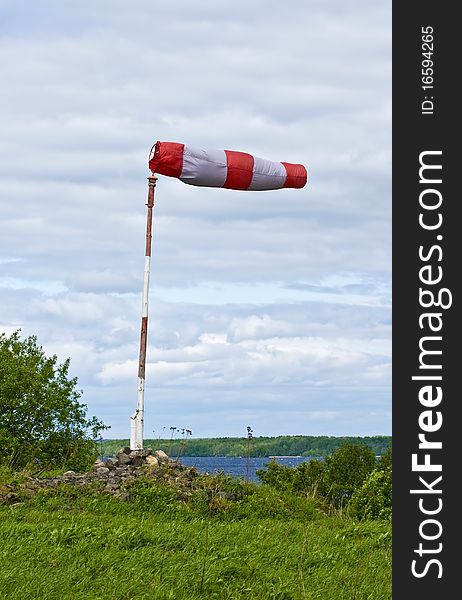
268,309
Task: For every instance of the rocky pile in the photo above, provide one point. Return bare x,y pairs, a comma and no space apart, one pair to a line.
112,476
126,458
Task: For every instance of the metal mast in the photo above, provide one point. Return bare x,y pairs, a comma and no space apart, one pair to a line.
137,419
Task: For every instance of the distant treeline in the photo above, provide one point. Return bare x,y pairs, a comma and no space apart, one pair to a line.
284,445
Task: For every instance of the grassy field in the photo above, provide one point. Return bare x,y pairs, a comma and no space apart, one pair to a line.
73,546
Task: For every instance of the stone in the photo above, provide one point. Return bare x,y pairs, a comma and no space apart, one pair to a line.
123,459
137,461
124,450
111,487
116,478
102,471
161,456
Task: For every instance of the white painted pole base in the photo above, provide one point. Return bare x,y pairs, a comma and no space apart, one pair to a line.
137,420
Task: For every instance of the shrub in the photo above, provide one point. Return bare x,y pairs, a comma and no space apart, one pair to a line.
333,480
346,470
385,461
276,475
41,418
305,477
373,500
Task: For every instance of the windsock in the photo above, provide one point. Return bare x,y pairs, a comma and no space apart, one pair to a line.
224,168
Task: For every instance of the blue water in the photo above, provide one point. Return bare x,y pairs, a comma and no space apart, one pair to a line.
238,466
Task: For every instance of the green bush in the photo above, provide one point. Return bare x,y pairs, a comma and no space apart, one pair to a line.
332,481
346,470
305,477
385,461
373,500
276,475
42,421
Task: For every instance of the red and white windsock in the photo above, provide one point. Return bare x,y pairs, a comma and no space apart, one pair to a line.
224,168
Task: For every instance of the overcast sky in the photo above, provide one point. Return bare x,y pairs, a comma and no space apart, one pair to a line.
267,309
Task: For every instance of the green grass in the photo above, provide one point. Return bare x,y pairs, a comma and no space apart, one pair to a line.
66,545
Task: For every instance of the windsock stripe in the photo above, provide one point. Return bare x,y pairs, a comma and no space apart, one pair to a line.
296,176
204,167
240,170
267,175
167,159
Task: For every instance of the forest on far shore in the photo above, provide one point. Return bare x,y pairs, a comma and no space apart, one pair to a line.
284,445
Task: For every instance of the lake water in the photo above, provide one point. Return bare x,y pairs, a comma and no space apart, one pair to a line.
238,466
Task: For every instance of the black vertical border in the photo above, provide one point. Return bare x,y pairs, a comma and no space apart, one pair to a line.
414,133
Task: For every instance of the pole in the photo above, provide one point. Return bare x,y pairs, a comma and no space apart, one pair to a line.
137,419
249,443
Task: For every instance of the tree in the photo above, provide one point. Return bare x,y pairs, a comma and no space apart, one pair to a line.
386,459
373,500
345,470
41,418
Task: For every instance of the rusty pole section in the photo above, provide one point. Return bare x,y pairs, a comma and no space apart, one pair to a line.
137,419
